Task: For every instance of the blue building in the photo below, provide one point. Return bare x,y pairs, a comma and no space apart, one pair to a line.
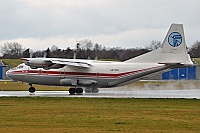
181,74
3,70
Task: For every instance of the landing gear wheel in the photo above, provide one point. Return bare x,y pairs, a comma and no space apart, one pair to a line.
88,90
75,90
91,90
31,89
79,90
72,91
95,90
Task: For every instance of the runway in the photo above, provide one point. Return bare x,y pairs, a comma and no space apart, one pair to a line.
190,93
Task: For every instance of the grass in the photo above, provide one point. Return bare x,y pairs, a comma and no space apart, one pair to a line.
12,62
35,114
197,60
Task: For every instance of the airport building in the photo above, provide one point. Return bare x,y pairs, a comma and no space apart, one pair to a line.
181,74
3,69
191,73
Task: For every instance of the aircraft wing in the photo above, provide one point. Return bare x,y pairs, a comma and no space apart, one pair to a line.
48,62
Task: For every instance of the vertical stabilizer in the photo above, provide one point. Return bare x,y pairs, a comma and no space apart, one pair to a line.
174,41
173,49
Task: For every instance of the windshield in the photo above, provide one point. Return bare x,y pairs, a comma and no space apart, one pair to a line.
18,67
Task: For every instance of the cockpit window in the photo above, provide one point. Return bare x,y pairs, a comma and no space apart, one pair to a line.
20,66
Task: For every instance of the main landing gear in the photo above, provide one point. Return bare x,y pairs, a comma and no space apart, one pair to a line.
91,90
31,89
75,90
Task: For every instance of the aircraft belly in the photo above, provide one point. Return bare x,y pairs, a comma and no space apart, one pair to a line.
18,77
56,80
43,80
47,81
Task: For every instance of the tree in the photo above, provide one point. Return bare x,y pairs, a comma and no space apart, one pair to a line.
47,53
87,45
56,52
37,54
154,45
194,50
26,53
11,49
54,48
97,49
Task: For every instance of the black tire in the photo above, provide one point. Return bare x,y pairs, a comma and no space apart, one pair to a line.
88,90
79,90
95,90
91,90
31,89
72,91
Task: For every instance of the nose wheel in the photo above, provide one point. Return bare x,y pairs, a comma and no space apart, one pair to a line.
31,89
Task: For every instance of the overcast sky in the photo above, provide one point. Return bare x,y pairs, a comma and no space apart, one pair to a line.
39,24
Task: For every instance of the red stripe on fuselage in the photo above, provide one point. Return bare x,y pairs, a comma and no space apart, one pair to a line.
80,74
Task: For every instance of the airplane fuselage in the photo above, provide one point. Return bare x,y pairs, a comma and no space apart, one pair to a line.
100,74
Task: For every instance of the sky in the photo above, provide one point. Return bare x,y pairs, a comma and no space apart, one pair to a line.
39,24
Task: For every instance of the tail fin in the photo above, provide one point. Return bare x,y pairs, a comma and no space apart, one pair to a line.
173,49
174,41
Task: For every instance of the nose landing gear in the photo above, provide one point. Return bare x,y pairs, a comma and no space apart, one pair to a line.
31,89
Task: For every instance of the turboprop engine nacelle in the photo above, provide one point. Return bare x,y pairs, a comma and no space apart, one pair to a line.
37,63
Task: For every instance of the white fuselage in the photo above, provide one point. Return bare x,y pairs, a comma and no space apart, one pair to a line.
99,74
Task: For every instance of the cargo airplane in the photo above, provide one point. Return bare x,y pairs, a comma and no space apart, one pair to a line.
94,74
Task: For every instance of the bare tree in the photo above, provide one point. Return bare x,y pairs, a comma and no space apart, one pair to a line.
154,45
87,45
12,49
194,50
97,49
54,48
